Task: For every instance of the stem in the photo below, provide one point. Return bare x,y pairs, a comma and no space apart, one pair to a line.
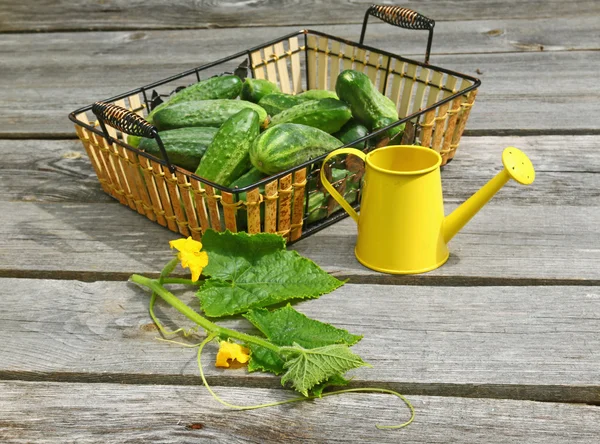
168,269
180,281
210,327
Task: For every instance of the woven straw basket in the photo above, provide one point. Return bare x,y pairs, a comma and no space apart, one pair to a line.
433,102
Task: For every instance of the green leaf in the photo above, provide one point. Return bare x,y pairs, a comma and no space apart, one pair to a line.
334,381
248,271
310,367
287,326
264,360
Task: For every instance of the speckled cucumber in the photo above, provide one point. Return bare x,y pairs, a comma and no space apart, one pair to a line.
220,87
317,202
288,145
227,157
276,103
328,115
317,94
203,113
184,146
352,131
249,178
255,89
368,105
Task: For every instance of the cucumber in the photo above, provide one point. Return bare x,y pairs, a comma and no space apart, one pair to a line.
368,105
220,87
278,102
288,145
317,207
134,141
328,115
317,94
255,89
251,176
227,157
184,146
351,131
317,202
203,113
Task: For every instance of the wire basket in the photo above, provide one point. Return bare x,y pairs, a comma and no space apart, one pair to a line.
434,104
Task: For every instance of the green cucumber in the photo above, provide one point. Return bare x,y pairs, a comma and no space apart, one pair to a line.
368,105
227,157
317,207
288,145
184,146
317,202
255,89
278,102
220,87
352,131
328,115
250,177
317,94
134,141
203,113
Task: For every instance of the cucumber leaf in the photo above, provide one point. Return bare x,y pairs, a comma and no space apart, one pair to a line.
334,381
306,368
247,271
287,326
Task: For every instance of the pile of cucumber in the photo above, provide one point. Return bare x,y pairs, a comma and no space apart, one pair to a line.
235,133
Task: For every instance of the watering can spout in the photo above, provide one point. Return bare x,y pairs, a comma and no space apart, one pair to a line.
517,166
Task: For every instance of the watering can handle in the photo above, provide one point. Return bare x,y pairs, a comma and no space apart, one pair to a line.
330,189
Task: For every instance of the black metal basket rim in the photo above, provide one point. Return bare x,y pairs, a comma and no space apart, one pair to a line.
476,81
143,89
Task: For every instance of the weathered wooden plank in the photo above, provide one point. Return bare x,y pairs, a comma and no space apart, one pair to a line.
106,241
81,15
59,171
60,72
502,342
47,171
160,413
545,231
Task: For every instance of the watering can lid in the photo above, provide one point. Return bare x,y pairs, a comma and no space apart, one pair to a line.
518,165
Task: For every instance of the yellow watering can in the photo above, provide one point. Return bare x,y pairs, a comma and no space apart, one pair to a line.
401,227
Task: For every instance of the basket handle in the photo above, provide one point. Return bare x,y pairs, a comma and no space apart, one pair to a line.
402,17
129,123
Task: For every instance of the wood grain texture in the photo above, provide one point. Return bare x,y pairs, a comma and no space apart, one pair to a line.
60,72
48,15
522,342
547,231
33,412
504,243
567,166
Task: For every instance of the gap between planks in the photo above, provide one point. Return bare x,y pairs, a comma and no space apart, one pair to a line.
378,279
584,394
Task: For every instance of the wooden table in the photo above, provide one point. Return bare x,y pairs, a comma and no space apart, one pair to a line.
501,344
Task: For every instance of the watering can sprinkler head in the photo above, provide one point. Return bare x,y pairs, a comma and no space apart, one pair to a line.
517,166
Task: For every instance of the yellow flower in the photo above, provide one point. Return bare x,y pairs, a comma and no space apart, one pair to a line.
230,351
190,255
